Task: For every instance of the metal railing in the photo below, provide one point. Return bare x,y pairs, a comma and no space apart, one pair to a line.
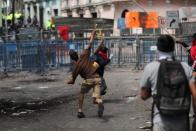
41,55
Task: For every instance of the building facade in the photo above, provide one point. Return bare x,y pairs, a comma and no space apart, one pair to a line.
88,8
115,9
186,9
44,10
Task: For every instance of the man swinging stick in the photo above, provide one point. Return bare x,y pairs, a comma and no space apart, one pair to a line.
87,69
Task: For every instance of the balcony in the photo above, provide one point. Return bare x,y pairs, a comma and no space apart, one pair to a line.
29,0
87,4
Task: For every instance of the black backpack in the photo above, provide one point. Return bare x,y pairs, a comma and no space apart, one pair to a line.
173,95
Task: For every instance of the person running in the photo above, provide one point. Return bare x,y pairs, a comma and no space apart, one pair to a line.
87,69
191,61
190,49
171,85
101,57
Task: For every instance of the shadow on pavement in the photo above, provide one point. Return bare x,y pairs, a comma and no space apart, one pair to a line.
116,101
107,118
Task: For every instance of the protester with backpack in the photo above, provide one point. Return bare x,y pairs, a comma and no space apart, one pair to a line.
167,81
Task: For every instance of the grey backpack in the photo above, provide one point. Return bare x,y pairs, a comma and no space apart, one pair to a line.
173,95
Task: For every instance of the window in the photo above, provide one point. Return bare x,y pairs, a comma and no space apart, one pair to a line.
81,15
69,15
94,15
124,13
55,12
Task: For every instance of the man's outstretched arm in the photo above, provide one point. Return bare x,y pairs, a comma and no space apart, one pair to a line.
182,43
91,39
75,73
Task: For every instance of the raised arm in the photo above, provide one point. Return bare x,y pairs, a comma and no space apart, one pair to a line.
91,39
182,43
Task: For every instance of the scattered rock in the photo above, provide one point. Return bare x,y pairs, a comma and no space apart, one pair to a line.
145,127
18,88
136,117
44,87
15,114
30,103
130,98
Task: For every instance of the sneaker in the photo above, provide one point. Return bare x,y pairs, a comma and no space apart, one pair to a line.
100,109
81,115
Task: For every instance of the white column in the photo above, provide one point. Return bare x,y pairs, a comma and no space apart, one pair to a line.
45,19
38,14
87,13
75,13
99,11
113,10
1,16
64,14
32,13
26,13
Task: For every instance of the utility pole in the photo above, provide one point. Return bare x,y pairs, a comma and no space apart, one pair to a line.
6,24
1,17
13,14
6,39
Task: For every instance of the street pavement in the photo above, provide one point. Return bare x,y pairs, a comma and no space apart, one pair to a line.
28,90
124,110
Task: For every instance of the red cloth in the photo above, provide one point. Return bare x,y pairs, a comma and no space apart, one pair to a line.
64,32
104,55
193,50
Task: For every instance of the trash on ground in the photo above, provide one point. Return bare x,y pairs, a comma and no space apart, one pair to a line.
30,103
44,87
18,88
145,127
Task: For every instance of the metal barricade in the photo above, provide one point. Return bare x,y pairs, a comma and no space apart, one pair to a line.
40,55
